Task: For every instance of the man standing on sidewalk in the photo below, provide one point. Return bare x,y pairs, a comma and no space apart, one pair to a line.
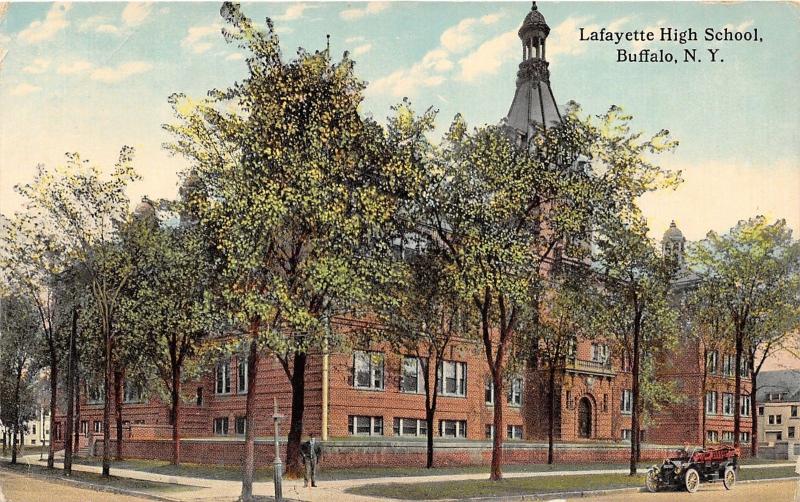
311,452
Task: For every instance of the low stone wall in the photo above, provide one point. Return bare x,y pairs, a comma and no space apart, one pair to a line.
368,453
780,450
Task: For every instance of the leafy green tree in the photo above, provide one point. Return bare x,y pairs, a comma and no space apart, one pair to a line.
501,210
296,189
20,352
83,211
752,272
423,316
637,311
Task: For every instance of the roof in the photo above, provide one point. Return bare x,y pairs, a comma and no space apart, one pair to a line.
673,233
534,21
783,381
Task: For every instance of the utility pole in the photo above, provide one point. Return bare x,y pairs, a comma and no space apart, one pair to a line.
277,464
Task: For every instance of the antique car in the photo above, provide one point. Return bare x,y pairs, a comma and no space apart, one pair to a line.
690,468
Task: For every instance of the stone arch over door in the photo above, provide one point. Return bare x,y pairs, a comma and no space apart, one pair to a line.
586,423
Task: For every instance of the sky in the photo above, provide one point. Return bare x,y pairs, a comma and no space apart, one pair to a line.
92,77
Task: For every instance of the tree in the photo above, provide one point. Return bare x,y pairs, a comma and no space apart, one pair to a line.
83,212
20,349
168,305
564,315
637,311
752,272
30,255
501,210
297,188
424,316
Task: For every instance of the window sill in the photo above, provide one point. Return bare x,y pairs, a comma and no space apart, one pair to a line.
370,389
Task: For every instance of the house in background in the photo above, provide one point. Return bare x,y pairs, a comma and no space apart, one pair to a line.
778,399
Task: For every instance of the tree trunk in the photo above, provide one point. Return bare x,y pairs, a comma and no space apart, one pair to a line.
107,404
497,441
16,415
635,392
551,411
431,397
14,442
118,409
53,409
753,415
294,466
737,417
70,425
250,433
176,415
77,444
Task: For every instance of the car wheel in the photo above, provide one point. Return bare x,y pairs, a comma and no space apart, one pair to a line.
729,478
691,480
651,480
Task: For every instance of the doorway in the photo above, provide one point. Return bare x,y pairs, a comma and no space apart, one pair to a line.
585,418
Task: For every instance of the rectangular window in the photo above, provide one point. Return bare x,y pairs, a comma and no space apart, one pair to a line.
727,436
365,426
515,392
95,394
711,402
600,353
711,361
84,426
626,434
728,363
727,404
744,369
778,419
712,436
453,428
410,427
241,370
744,437
223,374
368,370
605,402
790,432
132,392
199,396
760,411
793,411
453,378
489,431
744,408
779,436
514,432
488,391
241,425
626,404
410,380
771,420
221,426
98,426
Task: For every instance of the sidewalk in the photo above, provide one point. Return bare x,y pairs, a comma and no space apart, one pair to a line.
328,491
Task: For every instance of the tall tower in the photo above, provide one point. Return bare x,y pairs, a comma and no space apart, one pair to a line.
674,243
534,105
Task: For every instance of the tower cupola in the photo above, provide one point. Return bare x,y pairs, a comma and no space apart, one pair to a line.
533,33
674,243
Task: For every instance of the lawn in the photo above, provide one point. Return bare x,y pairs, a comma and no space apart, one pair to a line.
505,487
90,478
530,486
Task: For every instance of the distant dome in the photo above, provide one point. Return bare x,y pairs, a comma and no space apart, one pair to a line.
145,209
673,233
534,21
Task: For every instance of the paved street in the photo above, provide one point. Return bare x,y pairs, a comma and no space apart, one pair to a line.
18,488
782,491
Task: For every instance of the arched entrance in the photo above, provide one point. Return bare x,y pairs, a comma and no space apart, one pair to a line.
585,418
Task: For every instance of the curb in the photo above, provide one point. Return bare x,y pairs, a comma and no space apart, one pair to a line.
88,485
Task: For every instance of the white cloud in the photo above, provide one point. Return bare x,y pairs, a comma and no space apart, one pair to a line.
362,49
565,38
111,74
427,73
352,40
108,28
462,36
740,27
369,9
294,11
199,38
489,56
54,21
38,65
135,13
78,66
24,89
235,56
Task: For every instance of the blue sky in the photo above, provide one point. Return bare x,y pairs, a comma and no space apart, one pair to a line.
91,77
